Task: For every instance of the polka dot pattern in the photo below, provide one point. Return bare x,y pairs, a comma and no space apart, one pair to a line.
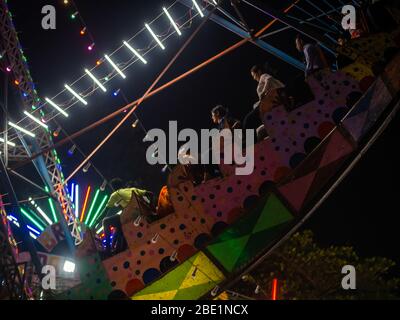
336,86
358,71
225,198
368,50
297,133
302,127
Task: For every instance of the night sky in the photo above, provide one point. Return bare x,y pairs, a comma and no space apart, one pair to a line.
361,212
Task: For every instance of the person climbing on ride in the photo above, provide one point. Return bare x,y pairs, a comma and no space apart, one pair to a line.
122,195
315,59
266,83
119,199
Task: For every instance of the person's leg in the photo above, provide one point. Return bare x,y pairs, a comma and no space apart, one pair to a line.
107,223
113,221
118,238
252,120
262,133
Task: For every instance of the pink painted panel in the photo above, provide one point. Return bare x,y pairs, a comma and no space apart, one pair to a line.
335,86
294,135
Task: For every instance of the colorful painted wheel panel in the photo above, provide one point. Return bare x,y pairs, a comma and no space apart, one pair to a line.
152,251
249,236
314,173
189,281
368,50
267,164
296,134
367,111
190,206
336,86
130,271
358,71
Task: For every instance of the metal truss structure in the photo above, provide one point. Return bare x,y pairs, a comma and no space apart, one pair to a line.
48,165
13,284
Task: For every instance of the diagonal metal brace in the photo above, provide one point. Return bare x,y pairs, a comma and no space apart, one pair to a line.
245,35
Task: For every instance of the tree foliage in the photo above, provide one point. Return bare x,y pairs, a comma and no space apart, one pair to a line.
307,271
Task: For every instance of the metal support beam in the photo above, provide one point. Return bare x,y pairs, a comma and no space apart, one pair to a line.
331,27
287,27
243,34
5,110
275,14
235,6
9,270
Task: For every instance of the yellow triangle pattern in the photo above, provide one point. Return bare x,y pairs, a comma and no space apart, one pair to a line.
206,273
167,295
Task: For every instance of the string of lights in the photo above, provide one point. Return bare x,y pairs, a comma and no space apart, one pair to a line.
84,30
118,70
109,76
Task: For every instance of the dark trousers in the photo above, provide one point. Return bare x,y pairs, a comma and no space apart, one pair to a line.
252,120
113,221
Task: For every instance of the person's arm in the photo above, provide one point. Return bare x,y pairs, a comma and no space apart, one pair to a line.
262,87
236,124
308,56
111,201
144,194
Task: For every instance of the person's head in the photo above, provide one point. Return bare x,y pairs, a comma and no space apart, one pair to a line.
218,113
116,184
134,184
256,72
300,43
341,41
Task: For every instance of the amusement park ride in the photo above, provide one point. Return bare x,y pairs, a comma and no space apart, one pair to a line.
223,228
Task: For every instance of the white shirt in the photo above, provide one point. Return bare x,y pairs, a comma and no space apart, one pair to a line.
266,84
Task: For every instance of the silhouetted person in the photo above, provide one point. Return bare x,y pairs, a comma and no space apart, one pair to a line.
222,120
314,58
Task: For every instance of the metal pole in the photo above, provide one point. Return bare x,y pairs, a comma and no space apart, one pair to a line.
333,28
5,107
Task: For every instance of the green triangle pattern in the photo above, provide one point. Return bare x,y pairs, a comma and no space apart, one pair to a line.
274,213
258,243
234,247
228,252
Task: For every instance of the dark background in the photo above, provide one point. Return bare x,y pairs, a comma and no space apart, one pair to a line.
361,212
